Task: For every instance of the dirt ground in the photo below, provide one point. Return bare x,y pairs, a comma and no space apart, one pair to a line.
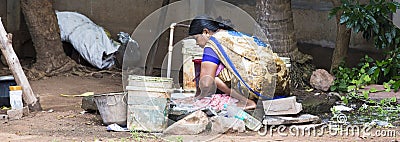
62,118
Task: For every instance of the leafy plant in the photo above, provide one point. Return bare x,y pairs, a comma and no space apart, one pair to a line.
372,20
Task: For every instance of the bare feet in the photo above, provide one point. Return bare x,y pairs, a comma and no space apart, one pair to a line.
248,105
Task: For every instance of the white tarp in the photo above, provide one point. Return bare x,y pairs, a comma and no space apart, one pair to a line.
88,39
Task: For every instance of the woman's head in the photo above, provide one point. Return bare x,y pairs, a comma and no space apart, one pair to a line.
202,27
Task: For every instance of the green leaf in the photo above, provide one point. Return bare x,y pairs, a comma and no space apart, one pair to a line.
333,88
393,99
396,85
367,78
344,99
387,87
385,71
392,7
372,70
343,19
357,28
365,94
351,88
373,90
362,70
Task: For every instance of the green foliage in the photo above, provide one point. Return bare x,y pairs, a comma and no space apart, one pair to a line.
372,20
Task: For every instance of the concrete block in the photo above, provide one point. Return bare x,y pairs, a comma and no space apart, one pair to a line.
283,120
15,114
220,125
282,106
192,124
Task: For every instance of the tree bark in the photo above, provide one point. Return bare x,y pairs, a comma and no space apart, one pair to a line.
43,27
342,40
276,19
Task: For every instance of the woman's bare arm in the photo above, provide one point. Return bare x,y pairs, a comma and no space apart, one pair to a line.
207,83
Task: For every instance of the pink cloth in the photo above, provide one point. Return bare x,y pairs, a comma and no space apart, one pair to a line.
216,101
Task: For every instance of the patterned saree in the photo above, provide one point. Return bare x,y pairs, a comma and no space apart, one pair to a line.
251,67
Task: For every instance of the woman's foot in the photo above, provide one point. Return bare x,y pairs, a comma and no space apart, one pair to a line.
248,105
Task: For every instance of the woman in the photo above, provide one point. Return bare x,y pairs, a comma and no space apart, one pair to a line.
239,65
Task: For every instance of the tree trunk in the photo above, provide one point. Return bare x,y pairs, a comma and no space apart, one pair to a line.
276,19
342,40
43,27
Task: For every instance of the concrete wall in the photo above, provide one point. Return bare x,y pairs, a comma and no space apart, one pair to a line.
310,18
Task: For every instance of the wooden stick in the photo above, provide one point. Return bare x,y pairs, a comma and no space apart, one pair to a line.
15,67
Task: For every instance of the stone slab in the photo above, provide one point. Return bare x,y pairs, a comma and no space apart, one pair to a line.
382,94
15,114
221,125
282,106
284,120
192,124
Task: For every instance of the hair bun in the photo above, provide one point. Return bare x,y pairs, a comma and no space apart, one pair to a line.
224,23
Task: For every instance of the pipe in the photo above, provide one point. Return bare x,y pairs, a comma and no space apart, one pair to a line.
170,47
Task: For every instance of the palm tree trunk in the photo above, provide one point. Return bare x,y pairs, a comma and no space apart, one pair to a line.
276,19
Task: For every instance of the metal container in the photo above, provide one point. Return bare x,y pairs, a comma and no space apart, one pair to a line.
112,107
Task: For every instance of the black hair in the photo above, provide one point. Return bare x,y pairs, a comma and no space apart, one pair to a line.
200,22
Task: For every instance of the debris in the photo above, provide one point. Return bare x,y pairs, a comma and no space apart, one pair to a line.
116,128
342,108
14,114
220,125
3,117
25,111
281,120
192,124
379,123
83,112
50,111
321,80
282,106
79,95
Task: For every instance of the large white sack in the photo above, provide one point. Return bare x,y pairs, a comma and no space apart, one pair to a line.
88,39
